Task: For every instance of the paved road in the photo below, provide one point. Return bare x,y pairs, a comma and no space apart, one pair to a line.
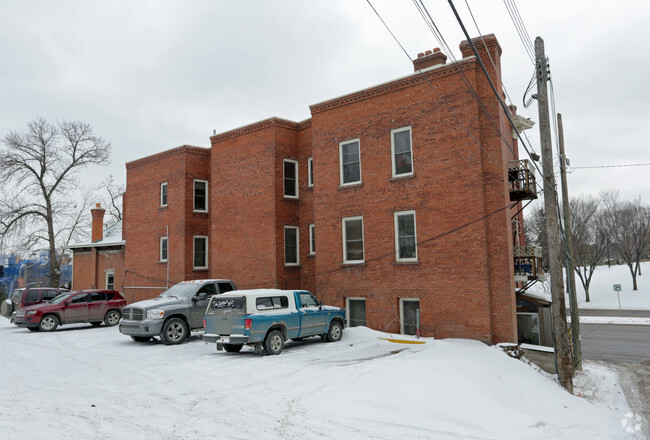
615,343
615,312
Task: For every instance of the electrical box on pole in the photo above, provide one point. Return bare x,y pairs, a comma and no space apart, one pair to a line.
562,346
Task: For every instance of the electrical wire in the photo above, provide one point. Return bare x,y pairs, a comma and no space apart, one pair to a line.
612,166
513,11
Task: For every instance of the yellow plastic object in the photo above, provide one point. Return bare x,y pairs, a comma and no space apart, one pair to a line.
403,341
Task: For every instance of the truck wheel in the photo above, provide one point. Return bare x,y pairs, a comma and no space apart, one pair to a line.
233,348
335,332
174,332
141,338
274,342
112,318
48,323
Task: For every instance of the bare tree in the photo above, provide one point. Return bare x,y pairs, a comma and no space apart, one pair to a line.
535,230
628,226
112,193
589,241
38,170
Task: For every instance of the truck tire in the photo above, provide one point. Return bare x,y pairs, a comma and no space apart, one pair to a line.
274,342
174,331
7,308
335,332
233,348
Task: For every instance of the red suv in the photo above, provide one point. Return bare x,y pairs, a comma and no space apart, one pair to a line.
93,306
26,297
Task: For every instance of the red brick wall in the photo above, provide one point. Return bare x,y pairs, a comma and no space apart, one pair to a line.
89,268
146,221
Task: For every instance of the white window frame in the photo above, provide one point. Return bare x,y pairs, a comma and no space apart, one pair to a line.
415,230
109,272
341,144
401,312
164,203
194,195
312,245
347,308
297,262
363,241
284,188
207,253
392,150
160,249
310,172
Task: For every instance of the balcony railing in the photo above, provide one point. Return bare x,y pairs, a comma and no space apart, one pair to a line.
528,263
521,177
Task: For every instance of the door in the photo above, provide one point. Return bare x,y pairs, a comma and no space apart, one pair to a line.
76,309
97,307
313,321
200,303
356,311
410,316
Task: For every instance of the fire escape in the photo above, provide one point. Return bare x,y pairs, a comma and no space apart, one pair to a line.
527,259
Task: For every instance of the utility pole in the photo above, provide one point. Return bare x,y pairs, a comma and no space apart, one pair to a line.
562,349
573,298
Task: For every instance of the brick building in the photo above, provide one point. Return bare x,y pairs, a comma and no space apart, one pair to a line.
394,202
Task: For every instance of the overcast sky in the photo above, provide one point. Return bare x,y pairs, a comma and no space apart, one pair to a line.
153,75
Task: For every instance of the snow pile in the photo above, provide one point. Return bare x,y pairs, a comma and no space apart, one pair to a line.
82,382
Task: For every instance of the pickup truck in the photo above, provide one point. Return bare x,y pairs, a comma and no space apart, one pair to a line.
264,319
174,314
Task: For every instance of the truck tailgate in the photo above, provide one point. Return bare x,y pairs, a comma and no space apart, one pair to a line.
225,316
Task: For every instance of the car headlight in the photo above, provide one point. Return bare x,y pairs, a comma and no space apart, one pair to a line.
31,312
155,314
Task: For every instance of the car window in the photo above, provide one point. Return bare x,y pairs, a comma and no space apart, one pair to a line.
97,296
49,294
228,303
32,295
109,295
209,288
225,287
272,302
308,300
79,299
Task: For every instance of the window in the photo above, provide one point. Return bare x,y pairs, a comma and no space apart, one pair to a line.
350,161
200,252
79,299
312,240
356,311
290,178
224,287
97,296
32,295
310,172
163,194
409,310
49,294
110,279
272,302
163,248
353,240
291,246
308,300
405,237
400,145
200,195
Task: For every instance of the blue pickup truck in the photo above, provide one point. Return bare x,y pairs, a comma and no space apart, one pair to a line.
265,318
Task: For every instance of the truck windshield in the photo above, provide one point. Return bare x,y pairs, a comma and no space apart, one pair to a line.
181,290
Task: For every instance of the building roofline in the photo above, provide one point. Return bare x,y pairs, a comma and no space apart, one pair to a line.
97,244
421,76
168,153
261,125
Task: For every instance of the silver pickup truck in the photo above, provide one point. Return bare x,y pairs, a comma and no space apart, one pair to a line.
174,314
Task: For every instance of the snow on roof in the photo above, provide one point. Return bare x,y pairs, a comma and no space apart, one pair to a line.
112,237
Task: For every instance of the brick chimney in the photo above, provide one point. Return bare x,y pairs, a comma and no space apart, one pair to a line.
428,59
98,223
489,41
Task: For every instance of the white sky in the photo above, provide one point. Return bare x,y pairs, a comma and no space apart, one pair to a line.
152,75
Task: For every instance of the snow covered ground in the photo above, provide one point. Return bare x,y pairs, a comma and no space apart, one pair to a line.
82,382
601,290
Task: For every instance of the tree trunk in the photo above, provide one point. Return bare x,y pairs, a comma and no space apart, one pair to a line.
587,294
633,272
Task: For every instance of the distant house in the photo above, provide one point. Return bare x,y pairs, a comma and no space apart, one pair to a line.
99,263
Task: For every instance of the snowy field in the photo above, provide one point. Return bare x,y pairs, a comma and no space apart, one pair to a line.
81,382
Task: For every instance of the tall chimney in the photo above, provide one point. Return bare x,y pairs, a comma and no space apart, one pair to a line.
428,59
98,223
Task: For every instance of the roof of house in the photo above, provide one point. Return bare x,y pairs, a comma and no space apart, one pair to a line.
112,237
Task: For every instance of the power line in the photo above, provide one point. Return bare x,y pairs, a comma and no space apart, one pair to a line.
511,6
613,166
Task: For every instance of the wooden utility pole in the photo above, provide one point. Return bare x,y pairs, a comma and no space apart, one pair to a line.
561,336
568,237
